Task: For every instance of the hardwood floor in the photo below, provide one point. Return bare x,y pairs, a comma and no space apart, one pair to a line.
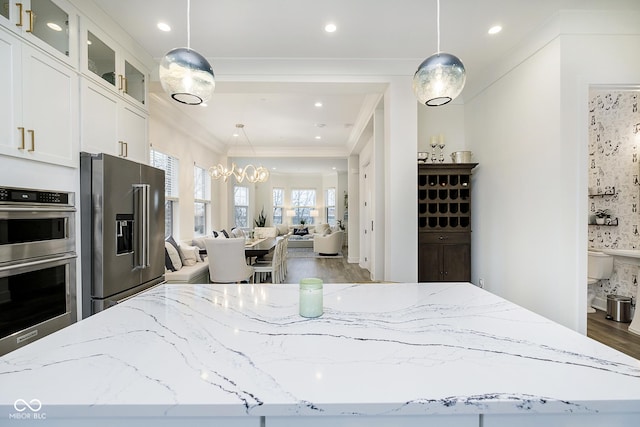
330,270
613,334
338,270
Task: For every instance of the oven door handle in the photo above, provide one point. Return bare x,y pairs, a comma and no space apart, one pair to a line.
141,213
35,263
6,208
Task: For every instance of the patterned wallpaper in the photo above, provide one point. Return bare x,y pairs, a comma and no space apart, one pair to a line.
614,168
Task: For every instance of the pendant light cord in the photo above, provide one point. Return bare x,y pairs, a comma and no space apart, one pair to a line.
438,23
189,25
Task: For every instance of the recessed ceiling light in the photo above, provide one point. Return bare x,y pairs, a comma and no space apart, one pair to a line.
318,137
318,104
54,26
495,29
164,27
334,168
330,28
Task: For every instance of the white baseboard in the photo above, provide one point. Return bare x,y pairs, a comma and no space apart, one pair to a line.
599,303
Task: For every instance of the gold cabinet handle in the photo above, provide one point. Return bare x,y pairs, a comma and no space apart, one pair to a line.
21,129
120,81
126,149
19,23
30,12
33,139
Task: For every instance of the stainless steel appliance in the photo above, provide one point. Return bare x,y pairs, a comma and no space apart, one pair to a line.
37,264
122,229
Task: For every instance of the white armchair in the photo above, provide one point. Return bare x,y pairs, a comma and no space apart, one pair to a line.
329,244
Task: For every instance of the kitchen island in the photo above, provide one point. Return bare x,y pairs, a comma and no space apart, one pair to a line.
432,354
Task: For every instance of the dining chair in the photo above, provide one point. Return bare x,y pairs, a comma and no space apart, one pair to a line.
227,262
272,266
283,257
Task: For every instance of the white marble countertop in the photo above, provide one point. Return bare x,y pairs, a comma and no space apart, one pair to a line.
379,349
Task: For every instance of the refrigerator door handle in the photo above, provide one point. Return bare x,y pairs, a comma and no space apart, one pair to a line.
142,217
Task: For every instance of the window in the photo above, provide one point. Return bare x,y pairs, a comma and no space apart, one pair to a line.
331,206
170,166
302,202
278,205
202,197
241,205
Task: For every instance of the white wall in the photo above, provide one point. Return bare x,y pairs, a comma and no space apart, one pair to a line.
175,141
263,192
528,131
401,180
521,218
447,120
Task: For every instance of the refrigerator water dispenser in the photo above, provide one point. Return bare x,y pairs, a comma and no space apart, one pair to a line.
124,234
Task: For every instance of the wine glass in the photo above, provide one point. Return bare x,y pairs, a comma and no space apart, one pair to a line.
441,145
434,144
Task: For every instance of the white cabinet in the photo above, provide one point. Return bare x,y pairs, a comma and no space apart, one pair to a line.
114,98
51,25
111,125
108,64
40,106
133,126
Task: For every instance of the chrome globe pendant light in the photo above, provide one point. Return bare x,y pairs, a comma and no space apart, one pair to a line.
440,78
185,74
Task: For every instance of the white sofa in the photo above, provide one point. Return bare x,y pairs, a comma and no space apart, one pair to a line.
329,244
197,273
306,241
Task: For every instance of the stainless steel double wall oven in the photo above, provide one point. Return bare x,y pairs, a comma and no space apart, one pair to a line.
37,264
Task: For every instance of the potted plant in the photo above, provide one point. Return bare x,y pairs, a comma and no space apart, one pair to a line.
601,215
303,221
262,220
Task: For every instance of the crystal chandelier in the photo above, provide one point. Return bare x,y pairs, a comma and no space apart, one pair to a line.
440,78
251,173
185,74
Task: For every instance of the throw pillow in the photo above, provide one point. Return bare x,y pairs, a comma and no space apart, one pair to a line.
199,242
225,233
171,240
168,265
191,254
300,231
176,263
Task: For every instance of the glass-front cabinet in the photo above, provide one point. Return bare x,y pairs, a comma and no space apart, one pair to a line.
4,11
134,82
101,59
49,24
106,63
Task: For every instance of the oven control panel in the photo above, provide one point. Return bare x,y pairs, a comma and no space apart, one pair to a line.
24,195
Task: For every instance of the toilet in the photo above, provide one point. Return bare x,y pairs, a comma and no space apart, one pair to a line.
599,267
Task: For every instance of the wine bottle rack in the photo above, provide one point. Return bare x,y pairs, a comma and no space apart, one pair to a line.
444,197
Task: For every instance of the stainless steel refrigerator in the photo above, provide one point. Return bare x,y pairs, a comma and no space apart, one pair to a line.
122,229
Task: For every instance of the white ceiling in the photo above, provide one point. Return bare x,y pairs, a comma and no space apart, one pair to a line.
280,118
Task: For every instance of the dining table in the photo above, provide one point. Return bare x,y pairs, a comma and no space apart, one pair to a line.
260,248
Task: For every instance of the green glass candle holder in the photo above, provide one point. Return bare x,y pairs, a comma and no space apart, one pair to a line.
311,297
